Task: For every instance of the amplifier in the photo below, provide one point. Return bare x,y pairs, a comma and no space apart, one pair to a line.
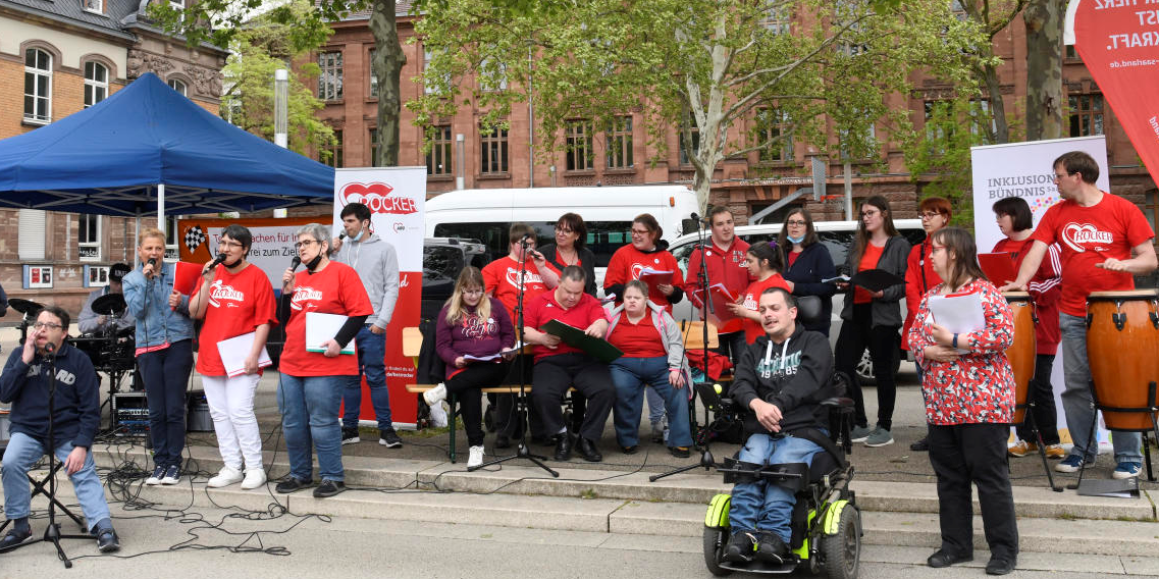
198,418
130,413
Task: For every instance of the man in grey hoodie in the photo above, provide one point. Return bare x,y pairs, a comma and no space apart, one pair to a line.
377,265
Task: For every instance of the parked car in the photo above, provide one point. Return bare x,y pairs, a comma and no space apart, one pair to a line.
837,236
443,259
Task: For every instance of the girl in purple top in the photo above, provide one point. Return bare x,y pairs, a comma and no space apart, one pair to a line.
472,326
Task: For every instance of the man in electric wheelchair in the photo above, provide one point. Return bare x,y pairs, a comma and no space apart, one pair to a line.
785,391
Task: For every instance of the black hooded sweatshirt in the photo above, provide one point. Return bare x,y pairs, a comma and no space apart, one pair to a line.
793,375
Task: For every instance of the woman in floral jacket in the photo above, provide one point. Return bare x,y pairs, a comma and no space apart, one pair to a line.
968,387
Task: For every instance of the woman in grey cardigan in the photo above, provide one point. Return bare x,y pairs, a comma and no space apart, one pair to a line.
871,319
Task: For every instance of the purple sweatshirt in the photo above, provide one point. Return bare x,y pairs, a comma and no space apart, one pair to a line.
470,336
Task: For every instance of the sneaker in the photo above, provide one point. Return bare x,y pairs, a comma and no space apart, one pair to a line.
13,538
225,477
859,434
879,437
1022,449
389,439
155,478
292,483
438,415
1055,452
680,451
771,549
107,541
329,488
1071,463
476,458
172,476
254,478
435,395
741,548
922,445
350,436
1127,470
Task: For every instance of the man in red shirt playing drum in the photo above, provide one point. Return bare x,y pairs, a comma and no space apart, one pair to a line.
1098,233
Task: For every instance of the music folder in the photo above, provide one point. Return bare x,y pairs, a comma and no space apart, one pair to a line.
321,327
998,267
598,348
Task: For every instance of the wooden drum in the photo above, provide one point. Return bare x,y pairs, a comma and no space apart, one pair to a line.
1021,353
1123,349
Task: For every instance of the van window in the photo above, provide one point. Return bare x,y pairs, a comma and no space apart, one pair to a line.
442,262
603,239
492,235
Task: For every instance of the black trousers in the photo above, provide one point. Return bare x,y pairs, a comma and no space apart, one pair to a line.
466,386
555,374
974,453
1041,393
856,335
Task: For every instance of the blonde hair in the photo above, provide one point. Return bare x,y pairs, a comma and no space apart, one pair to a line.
469,277
150,232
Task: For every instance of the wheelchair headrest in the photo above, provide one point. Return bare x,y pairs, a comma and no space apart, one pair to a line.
809,310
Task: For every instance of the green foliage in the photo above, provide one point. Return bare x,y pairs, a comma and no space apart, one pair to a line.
219,21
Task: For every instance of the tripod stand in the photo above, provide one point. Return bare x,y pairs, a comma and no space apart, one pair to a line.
52,532
522,450
726,415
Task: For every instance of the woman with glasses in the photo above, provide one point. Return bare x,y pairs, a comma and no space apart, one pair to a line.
234,299
569,249
968,387
871,319
314,374
920,276
647,251
807,262
470,331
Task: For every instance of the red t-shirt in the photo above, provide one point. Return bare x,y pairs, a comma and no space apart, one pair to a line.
238,304
640,340
544,308
627,263
751,301
869,260
725,266
501,280
1089,236
793,255
337,289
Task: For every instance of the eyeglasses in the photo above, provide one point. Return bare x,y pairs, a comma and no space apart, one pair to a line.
1058,177
306,243
474,292
230,244
930,214
936,248
640,231
865,214
564,229
795,222
42,325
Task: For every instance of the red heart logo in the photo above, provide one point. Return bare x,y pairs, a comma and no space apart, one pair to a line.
376,196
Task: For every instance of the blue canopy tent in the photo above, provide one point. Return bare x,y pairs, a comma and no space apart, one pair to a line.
146,150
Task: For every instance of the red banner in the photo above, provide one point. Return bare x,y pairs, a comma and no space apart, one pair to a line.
1118,41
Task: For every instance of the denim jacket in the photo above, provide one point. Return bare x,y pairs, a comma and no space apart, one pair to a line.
148,301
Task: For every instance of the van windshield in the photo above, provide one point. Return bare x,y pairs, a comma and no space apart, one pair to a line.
603,238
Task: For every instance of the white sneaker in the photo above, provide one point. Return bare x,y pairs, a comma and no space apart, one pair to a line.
225,477
254,478
435,395
476,458
155,478
438,415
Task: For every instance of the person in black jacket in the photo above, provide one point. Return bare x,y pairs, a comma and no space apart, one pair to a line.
76,415
781,380
807,262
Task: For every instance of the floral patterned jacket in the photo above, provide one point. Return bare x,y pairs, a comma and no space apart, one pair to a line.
979,386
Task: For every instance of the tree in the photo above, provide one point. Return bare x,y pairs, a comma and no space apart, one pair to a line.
1044,28
993,16
257,50
701,65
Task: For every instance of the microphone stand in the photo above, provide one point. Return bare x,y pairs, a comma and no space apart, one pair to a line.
522,451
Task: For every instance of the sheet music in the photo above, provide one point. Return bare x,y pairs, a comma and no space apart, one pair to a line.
321,327
234,351
959,314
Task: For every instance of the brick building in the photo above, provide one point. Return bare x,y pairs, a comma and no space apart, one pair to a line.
57,58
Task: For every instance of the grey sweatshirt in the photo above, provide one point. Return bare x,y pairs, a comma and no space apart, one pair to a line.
377,265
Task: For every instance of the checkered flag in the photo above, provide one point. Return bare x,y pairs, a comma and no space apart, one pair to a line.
194,237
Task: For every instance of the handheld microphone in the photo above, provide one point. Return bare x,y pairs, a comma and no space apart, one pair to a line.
342,236
153,262
294,263
50,349
221,257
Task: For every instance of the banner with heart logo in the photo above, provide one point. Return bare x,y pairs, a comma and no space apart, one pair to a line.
1118,41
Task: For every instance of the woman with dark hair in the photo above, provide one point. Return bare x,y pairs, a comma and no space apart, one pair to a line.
569,249
1016,222
872,319
647,250
968,387
765,265
807,262
234,299
920,276
469,327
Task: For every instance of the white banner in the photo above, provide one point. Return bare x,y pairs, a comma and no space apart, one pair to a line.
272,249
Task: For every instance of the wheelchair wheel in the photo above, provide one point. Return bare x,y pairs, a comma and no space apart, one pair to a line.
842,550
715,540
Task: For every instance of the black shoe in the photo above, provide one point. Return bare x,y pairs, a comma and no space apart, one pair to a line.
771,549
329,488
680,451
629,449
350,436
943,558
922,445
14,538
563,448
740,548
107,541
588,450
1001,565
502,441
389,439
291,484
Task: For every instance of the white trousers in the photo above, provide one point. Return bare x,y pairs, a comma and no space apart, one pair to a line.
231,404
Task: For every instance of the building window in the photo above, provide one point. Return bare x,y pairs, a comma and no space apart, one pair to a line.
579,146
96,83
330,79
1086,114
846,11
493,75
179,86
31,225
776,19
620,144
439,158
97,6
493,159
172,234
373,147
89,240
693,132
434,83
1151,207
773,136
335,159
37,86
370,74
1071,53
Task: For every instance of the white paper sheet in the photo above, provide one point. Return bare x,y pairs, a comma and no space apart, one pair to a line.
321,327
959,314
234,351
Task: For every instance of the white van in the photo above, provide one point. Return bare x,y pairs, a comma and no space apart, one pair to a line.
486,214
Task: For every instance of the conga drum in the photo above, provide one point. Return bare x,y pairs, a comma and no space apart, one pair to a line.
1123,349
1021,352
